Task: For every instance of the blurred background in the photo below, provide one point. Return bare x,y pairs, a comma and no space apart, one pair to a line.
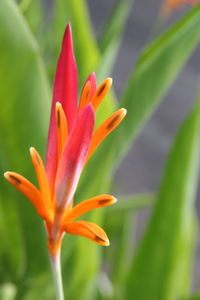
30,39
142,168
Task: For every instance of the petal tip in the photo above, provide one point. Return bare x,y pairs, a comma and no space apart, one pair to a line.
12,177
31,150
89,107
114,200
93,74
6,174
106,242
101,240
58,104
68,28
109,82
124,111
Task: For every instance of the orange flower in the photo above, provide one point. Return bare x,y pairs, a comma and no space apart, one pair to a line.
170,5
71,142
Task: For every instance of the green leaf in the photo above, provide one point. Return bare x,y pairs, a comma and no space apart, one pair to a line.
122,236
133,202
41,287
155,71
195,297
33,12
122,244
160,262
24,93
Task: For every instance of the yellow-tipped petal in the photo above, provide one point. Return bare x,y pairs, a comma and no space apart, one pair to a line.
105,128
42,179
29,190
85,95
88,205
61,125
101,93
88,230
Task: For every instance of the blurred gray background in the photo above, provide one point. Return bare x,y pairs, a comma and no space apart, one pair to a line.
142,168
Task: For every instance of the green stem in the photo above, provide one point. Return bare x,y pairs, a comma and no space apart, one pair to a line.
57,275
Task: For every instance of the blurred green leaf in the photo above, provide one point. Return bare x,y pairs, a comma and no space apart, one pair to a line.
123,245
33,12
85,267
156,69
133,202
111,36
188,256
159,269
122,235
195,297
40,288
23,123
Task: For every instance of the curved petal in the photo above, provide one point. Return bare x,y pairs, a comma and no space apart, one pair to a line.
92,79
29,190
85,95
88,205
88,230
66,92
42,179
61,125
105,128
88,90
73,157
101,93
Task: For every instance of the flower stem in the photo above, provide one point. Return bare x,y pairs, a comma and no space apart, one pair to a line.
57,275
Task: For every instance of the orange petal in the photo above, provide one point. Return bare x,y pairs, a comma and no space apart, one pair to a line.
85,95
101,92
42,180
105,128
88,205
61,126
88,230
29,190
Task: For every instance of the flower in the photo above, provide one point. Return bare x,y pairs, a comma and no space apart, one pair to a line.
71,142
170,5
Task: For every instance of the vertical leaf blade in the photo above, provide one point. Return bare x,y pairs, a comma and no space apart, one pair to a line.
159,261
25,102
